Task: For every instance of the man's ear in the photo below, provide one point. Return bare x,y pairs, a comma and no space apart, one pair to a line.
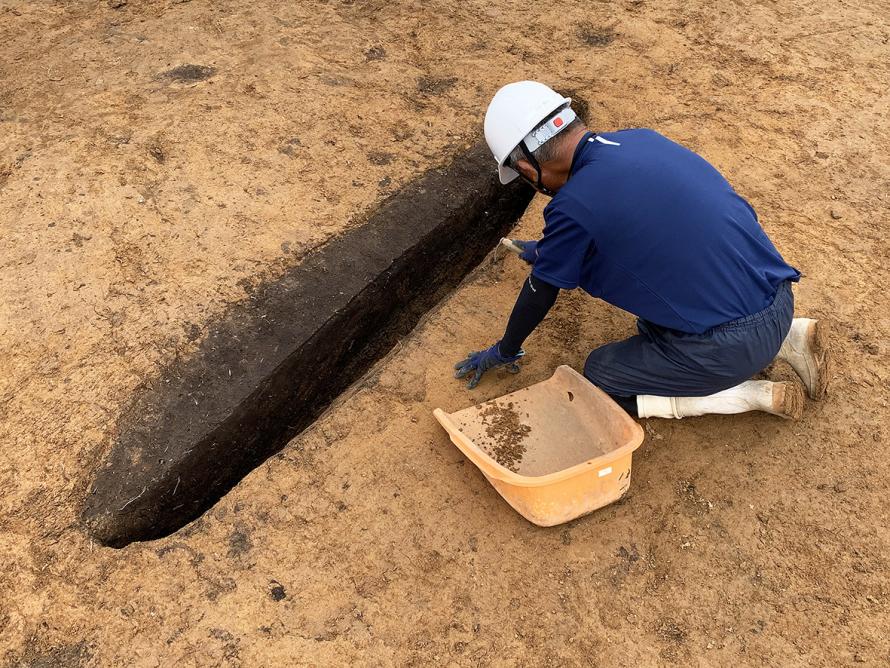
525,168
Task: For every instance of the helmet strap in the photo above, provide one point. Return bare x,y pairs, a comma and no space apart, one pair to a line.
539,186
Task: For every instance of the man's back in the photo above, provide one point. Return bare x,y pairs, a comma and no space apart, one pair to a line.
653,228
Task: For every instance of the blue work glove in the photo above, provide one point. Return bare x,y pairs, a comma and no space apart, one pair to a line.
529,250
484,360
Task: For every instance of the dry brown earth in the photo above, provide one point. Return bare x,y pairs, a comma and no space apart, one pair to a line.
135,205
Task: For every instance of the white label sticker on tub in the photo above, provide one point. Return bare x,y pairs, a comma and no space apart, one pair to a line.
605,471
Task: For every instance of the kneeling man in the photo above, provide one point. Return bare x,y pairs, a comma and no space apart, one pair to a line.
651,227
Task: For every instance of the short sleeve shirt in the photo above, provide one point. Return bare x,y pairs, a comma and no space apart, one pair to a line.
651,227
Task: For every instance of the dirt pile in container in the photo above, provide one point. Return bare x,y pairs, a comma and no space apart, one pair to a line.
506,435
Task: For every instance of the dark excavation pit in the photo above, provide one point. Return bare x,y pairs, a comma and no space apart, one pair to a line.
189,73
435,85
274,362
376,52
596,36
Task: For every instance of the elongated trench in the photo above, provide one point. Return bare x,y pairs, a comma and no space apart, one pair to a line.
273,363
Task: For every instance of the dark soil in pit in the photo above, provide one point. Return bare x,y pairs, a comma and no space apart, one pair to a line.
506,434
189,73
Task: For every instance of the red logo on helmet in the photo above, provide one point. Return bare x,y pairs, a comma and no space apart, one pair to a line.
557,122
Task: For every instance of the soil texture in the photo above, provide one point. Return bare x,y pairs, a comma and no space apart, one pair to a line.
137,207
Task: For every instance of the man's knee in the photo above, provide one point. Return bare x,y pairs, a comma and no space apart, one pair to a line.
593,367
600,369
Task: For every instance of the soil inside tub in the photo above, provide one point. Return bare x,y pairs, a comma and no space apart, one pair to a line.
531,438
505,435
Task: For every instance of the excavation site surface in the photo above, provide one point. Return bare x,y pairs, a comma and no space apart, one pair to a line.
162,163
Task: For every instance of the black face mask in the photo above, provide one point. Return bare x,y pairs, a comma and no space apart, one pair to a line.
539,186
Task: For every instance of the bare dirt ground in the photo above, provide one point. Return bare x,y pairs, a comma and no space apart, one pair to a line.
139,198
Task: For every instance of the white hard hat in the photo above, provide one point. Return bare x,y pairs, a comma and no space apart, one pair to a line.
514,111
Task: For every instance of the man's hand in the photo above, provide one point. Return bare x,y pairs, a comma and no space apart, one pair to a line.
479,362
526,250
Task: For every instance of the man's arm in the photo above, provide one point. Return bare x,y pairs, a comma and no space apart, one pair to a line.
534,301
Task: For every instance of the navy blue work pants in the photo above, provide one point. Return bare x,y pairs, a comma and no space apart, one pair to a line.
667,363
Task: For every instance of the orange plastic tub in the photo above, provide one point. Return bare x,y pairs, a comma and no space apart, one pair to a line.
555,451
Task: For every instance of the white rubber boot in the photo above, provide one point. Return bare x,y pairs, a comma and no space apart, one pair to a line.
784,399
806,350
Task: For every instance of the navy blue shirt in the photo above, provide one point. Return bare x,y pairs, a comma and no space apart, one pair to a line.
651,227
